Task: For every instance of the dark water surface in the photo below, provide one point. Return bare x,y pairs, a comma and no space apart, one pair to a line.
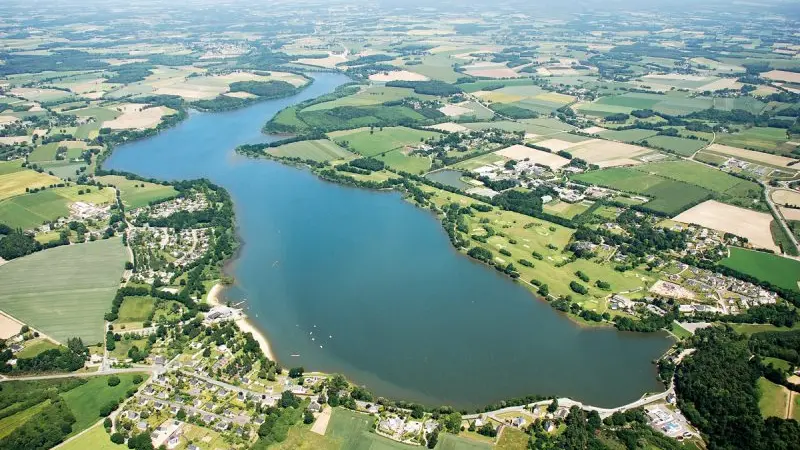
363,283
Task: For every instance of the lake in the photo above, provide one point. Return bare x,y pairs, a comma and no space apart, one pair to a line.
365,284
450,178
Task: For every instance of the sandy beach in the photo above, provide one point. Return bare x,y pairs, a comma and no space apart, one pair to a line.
243,323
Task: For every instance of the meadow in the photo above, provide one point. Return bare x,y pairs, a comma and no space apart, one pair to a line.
134,311
16,182
632,135
523,235
317,150
773,399
380,141
34,347
64,291
85,401
435,67
12,422
398,160
47,152
780,271
353,431
676,185
669,197
31,210
135,194
772,140
374,95
451,442
95,438
681,146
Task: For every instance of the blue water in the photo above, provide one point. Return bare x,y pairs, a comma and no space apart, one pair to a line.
374,281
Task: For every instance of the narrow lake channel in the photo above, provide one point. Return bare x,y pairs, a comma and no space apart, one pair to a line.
365,284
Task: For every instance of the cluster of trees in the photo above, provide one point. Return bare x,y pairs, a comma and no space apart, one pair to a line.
777,344
513,111
15,243
370,164
59,359
717,392
265,89
432,87
48,428
130,73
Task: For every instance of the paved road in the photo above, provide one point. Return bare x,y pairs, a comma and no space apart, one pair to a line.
776,212
222,384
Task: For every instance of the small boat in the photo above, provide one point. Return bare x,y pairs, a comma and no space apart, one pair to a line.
295,354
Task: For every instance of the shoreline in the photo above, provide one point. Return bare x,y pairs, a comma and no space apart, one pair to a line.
243,323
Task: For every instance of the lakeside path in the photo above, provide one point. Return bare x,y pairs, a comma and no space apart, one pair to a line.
243,323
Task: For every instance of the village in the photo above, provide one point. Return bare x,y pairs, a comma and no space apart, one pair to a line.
164,252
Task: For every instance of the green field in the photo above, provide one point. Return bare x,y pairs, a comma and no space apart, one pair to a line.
767,139
780,271
99,113
378,142
95,438
318,150
773,399
633,135
374,95
512,439
480,85
16,182
710,158
47,152
452,442
64,291
135,193
85,401
727,187
778,363
669,196
135,309
34,347
12,422
479,161
397,160
31,210
681,146
436,67
7,167
354,432
673,103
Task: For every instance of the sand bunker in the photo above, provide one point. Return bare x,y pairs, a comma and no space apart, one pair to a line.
726,218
